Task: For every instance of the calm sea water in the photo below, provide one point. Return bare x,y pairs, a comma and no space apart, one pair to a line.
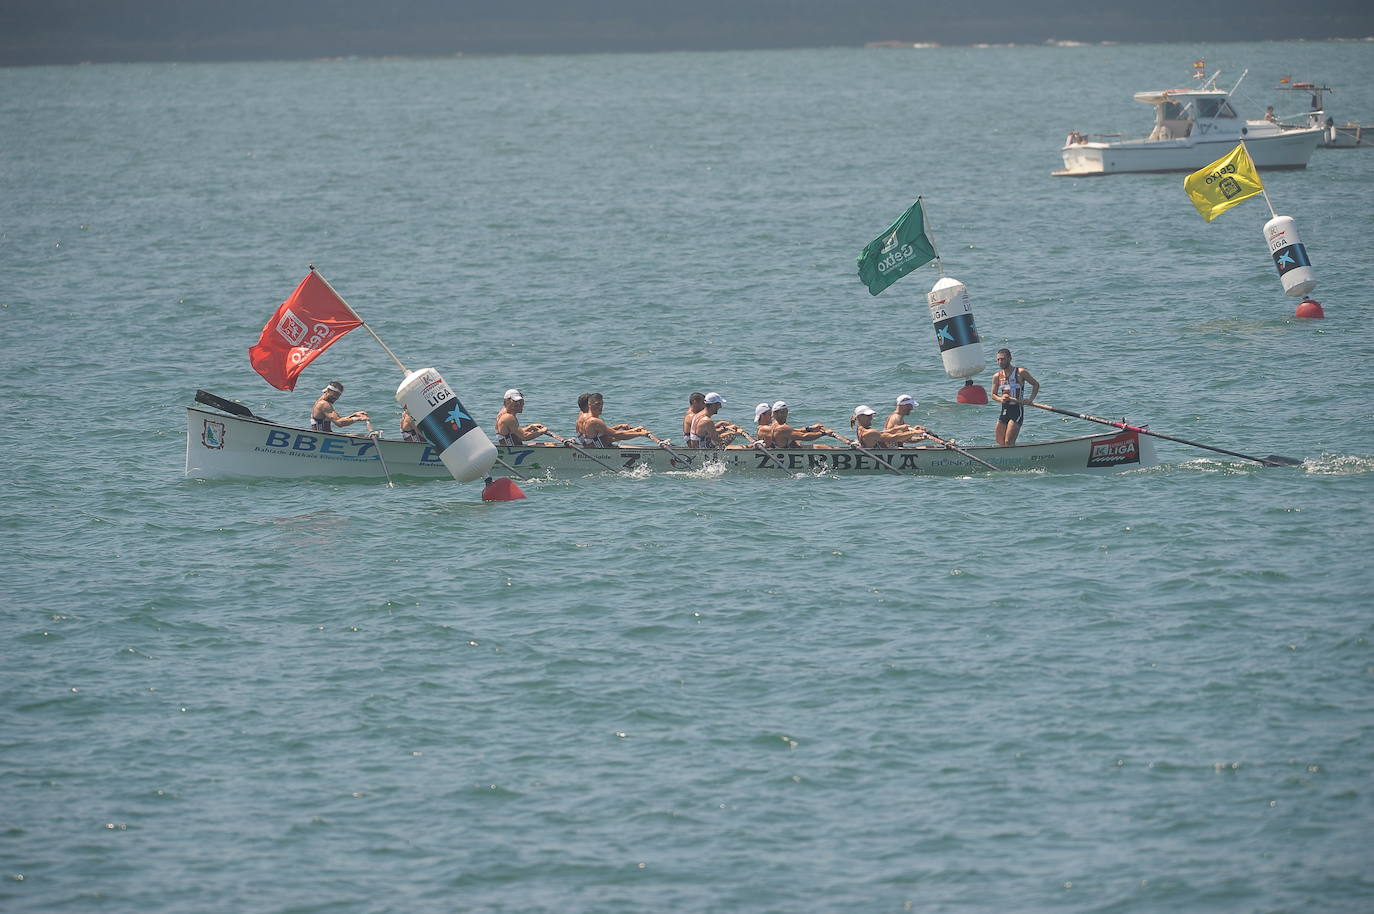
680,693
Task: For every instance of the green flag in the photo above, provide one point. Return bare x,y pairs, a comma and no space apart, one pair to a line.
897,251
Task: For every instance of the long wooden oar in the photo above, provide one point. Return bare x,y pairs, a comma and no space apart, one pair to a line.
513,470
1273,460
954,447
377,444
856,444
564,441
669,448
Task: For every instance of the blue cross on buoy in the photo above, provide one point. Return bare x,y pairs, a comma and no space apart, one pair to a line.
456,415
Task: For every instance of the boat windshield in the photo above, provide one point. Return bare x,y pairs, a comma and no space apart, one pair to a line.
1214,107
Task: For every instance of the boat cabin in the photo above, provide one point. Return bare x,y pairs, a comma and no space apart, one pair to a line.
1180,112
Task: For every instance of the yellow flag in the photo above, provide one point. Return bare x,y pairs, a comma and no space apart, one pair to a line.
1226,182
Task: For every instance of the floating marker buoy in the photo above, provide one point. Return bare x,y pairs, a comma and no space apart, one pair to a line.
1290,256
503,488
466,452
1308,308
950,311
972,393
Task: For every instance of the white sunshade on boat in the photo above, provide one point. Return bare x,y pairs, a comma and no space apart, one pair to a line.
1158,96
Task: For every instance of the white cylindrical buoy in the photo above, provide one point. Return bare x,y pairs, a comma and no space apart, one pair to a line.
952,314
466,452
1290,256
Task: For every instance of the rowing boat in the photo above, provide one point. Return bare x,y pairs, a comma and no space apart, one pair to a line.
223,445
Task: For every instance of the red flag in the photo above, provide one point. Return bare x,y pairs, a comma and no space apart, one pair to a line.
306,324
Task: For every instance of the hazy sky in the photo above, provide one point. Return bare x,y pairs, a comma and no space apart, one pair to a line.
69,31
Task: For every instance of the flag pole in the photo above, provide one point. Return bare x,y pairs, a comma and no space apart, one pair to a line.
925,222
1265,193
404,370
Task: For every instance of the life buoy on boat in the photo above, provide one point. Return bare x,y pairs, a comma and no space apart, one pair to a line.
950,311
1290,256
464,449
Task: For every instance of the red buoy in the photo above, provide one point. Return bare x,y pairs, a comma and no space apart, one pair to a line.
502,489
972,393
1308,308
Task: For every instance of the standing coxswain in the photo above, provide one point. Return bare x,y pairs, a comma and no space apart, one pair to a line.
1008,388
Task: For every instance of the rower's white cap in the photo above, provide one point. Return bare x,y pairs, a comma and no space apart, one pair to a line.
779,406
862,410
760,410
514,394
906,398
714,397
334,386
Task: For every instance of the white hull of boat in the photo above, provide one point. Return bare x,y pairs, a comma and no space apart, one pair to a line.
224,446
1290,149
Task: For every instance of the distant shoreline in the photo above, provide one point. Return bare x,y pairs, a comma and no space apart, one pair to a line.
12,55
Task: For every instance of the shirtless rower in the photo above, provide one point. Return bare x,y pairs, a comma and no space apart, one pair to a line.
508,428
868,436
897,421
596,433
410,429
763,423
784,435
1008,388
323,416
695,404
706,431
905,404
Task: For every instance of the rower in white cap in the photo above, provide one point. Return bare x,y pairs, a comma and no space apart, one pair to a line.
868,436
784,435
509,431
897,421
323,416
763,421
706,431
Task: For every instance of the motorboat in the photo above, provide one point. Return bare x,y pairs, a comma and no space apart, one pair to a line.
1350,135
1193,127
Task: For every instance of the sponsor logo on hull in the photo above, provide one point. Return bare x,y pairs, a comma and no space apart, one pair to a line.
1115,451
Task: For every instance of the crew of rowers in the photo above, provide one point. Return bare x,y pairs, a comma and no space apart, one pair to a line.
702,429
